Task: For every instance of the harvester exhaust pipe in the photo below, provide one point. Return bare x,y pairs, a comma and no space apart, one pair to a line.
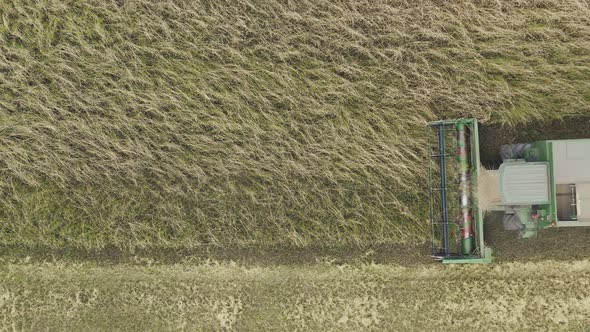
464,191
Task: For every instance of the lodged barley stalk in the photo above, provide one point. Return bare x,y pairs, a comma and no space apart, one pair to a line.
179,123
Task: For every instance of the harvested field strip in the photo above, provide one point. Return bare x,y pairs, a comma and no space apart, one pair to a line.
210,295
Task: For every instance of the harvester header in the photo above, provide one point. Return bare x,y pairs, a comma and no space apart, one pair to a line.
455,216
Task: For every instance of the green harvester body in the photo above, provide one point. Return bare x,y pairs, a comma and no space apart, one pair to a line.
539,185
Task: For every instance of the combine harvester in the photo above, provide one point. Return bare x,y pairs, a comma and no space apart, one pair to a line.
538,185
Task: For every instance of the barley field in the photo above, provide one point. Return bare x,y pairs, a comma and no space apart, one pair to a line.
257,165
140,124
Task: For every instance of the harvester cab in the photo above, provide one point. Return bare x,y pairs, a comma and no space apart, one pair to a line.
538,185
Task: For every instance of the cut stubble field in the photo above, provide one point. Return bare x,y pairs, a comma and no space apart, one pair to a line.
212,295
536,284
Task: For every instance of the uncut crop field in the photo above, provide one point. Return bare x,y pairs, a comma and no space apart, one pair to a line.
140,124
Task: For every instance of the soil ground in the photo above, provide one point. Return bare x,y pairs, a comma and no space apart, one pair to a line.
492,137
563,244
